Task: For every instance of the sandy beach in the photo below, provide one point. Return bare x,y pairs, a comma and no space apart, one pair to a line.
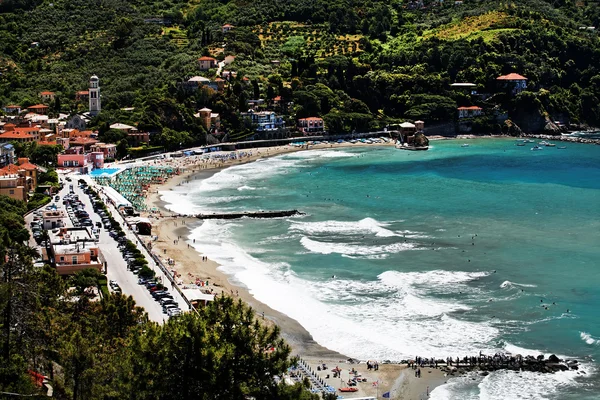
190,267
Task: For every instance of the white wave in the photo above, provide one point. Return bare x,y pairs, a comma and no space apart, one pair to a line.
319,154
589,339
510,285
353,249
245,187
366,225
178,202
384,318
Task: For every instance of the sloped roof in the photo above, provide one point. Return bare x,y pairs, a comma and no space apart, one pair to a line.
121,126
205,58
470,108
38,107
511,77
15,135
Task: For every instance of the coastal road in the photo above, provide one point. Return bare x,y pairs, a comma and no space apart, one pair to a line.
117,267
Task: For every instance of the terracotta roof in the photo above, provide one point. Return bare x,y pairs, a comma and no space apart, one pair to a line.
38,107
82,141
27,129
47,143
277,98
311,119
219,80
46,93
245,78
470,108
15,135
12,106
83,92
227,26
27,166
511,77
205,58
10,169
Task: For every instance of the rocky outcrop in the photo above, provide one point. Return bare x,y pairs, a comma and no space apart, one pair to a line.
512,129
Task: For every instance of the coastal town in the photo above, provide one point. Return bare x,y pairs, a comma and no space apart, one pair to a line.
334,200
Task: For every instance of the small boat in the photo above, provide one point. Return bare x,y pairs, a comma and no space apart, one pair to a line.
348,389
528,141
465,145
543,143
536,148
550,144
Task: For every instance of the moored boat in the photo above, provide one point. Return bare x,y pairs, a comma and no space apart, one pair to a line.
536,148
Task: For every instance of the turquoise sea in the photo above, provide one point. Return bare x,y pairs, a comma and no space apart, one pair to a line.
440,253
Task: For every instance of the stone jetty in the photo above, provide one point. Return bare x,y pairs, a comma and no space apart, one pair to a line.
250,214
485,364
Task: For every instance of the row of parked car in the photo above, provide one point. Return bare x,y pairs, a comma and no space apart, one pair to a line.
162,296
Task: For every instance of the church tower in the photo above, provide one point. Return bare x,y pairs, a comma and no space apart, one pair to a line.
94,96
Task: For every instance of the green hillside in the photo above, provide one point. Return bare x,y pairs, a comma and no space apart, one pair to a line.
359,64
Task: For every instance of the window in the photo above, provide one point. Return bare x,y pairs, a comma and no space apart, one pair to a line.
62,259
74,259
11,191
76,163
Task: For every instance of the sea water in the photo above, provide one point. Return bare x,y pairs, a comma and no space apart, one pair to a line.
441,253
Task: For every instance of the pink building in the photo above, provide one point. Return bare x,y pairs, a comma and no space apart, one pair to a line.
75,159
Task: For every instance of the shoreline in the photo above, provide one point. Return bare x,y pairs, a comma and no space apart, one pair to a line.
173,242
191,267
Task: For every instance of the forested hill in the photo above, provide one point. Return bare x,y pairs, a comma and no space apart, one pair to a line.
360,64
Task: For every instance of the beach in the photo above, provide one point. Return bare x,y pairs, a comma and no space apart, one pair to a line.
346,275
191,267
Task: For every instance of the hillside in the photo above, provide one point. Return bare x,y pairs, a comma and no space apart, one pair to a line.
359,64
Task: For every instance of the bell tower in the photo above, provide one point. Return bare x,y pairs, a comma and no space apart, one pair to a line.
94,95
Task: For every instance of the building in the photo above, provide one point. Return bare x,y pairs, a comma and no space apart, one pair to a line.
96,159
196,82
123,127
207,63
7,154
21,135
137,139
512,82
228,60
211,121
77,121
264,120
311,125
226,28
74,158
13,186
469,112
228,75
94,96
83,96
53,219
72,250
47,96
108,149
28,170
39,109
12,109
255,103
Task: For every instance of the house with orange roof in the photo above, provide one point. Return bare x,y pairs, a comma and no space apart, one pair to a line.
76,159
311,125
226,28
14,136
512,82
39,109
207,63
47,96
469,112
82,95
12,109
28,170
